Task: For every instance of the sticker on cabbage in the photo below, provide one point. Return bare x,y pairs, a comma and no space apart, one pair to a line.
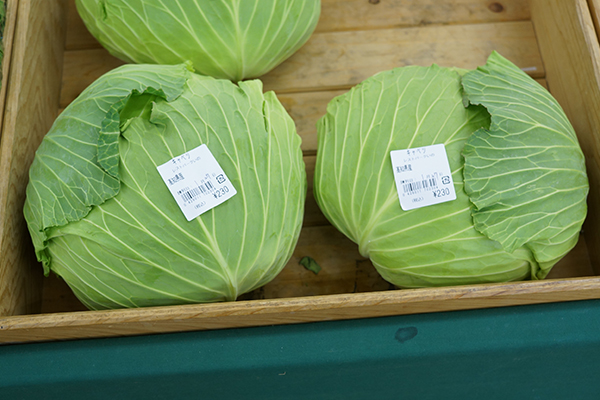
423,177
196,181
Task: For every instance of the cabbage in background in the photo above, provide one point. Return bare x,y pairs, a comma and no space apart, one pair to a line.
101,216
231,39
518,172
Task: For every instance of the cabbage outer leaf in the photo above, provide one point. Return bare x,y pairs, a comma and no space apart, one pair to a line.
66,179
525,174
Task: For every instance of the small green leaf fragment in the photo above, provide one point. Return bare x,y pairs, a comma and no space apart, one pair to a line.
310,264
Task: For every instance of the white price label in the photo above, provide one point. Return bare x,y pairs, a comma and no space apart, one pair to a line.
422,176
196,181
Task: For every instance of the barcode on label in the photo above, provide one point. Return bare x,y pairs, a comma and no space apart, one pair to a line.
188,195
207,187
415,187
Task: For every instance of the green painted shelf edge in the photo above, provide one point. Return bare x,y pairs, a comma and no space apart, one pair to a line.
549,351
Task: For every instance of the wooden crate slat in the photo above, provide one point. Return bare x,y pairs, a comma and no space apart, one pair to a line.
572,57
31,103
340,60
340,15
77,325
594,6
7,44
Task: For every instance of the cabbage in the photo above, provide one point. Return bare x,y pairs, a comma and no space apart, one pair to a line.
101,216
518,172
232,39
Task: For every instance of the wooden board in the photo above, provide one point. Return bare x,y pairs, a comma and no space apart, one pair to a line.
32,99
377,14
572,59
343,15
340,60
76,325
594,6
7,43
354,39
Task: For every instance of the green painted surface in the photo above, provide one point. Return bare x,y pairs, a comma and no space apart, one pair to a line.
528,352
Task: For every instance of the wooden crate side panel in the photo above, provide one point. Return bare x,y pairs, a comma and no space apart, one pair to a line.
77,325
571,53
31,104
594,6
9,33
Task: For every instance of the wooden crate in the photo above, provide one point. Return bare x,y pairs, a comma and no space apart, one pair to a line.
52,58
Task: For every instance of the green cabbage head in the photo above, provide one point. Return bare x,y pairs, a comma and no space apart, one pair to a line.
101,216
230,39
518,172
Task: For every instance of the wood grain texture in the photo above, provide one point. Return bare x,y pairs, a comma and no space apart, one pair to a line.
594,6
339,60
77,325
343,15
313,216
31,104
7,43
78,36
306,108
378,14
572,58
